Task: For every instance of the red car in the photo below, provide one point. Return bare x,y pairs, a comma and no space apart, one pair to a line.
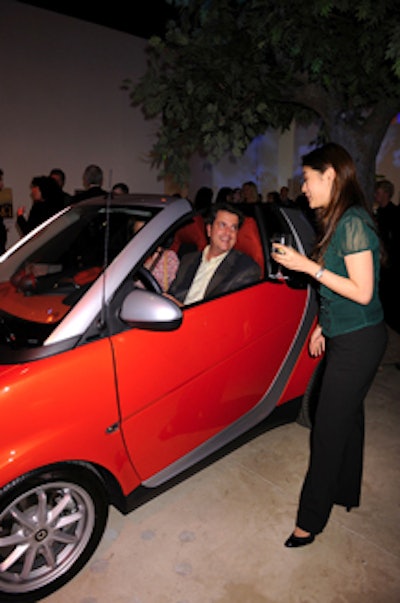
110,391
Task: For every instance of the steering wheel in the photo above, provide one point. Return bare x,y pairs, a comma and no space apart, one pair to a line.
149,280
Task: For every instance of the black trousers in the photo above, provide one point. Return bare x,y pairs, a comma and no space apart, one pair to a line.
337,438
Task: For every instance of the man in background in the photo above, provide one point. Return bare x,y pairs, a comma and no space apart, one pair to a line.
92,181
387,216
59,176
3,229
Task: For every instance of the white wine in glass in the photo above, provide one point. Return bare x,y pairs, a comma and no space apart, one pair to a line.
284,238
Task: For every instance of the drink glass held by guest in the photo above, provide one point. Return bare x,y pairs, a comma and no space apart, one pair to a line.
351,333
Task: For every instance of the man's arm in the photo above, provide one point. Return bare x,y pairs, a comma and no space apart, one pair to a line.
248,272
236,271
184,276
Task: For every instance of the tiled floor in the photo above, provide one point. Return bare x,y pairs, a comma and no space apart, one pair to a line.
218,537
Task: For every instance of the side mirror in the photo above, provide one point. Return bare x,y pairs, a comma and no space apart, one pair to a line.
147,310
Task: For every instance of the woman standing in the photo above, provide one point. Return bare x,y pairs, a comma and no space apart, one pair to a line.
47,199
351,332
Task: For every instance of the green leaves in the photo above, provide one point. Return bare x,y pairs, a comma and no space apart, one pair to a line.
231,69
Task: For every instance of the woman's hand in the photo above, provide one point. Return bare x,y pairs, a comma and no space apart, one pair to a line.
291,259
357,286
317,342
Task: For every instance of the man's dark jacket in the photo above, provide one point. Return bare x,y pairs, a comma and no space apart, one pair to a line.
234,272
89,193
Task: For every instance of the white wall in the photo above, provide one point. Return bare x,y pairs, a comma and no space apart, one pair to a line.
61,103
259,164
61,106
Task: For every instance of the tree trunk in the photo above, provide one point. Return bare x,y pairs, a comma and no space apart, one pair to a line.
364,152
364,141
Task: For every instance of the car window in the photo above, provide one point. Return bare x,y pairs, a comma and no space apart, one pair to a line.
235,273
47,275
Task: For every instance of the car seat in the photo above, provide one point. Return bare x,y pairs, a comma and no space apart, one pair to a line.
191,237
249,242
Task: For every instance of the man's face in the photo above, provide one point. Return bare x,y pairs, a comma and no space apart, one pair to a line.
223,232
381,197
36,195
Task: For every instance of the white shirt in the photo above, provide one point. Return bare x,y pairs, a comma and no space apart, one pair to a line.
204,274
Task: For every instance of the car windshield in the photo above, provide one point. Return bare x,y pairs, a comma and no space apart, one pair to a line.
46,273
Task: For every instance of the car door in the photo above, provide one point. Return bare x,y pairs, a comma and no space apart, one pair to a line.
180,391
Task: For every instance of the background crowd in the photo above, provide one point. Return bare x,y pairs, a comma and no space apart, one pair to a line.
48,196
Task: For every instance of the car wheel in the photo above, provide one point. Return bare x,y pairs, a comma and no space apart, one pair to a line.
51,522
310,398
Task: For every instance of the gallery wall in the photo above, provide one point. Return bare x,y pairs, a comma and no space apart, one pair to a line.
61,104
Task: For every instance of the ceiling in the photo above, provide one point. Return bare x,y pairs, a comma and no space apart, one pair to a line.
137,18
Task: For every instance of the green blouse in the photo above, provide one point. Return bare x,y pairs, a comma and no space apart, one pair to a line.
355,232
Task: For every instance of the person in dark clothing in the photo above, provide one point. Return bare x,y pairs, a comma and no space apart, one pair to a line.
351,334
224,195
387,216
284,199
120,188
92,181
3,236
203,199
47,198
59,176
3,229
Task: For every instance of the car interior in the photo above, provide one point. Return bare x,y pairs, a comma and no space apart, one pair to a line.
192,237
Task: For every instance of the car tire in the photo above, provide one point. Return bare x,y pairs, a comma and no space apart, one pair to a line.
51,522
310,399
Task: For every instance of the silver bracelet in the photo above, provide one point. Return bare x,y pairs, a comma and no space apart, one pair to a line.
318,274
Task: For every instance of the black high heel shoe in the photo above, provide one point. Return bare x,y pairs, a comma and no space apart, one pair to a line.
294,542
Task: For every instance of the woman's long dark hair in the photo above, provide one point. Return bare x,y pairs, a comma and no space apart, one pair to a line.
346,190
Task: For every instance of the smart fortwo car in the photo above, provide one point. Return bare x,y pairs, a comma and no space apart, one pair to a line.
110,392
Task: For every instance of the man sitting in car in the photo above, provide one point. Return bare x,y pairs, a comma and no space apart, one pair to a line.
219,268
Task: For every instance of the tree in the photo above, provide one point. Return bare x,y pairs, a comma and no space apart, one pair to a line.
228,70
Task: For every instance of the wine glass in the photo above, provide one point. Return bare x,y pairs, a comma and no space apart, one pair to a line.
284,238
